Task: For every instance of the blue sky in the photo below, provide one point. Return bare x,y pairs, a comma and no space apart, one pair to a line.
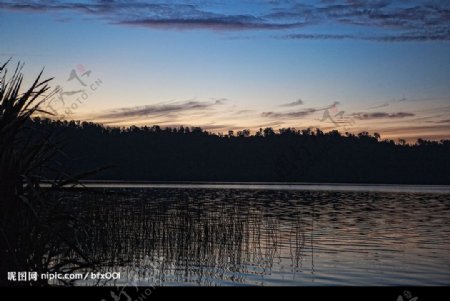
378,66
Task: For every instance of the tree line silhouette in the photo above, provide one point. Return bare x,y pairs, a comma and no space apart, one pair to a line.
287,155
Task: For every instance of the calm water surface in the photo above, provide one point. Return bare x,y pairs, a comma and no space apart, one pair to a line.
262,235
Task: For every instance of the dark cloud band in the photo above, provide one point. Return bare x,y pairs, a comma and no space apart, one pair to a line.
160,110
385,20
382,115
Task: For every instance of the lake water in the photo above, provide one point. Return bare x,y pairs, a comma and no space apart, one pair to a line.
259,234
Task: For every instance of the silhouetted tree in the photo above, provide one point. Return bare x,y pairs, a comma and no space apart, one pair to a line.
268,132
153,153
243,133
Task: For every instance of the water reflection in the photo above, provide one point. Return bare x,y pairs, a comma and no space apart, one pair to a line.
176,236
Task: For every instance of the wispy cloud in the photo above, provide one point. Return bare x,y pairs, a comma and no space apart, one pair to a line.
211,22
444,121
297,114
381,21
411,133
245,111
160,109
419,36
382,115
379,106
385,104
293,104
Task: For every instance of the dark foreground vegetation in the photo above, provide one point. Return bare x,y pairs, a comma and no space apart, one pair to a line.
192,154
39,232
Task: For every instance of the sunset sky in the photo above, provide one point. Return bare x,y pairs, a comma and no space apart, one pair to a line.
378,66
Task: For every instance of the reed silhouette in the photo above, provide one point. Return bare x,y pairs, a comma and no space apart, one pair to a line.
190,236
36,228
